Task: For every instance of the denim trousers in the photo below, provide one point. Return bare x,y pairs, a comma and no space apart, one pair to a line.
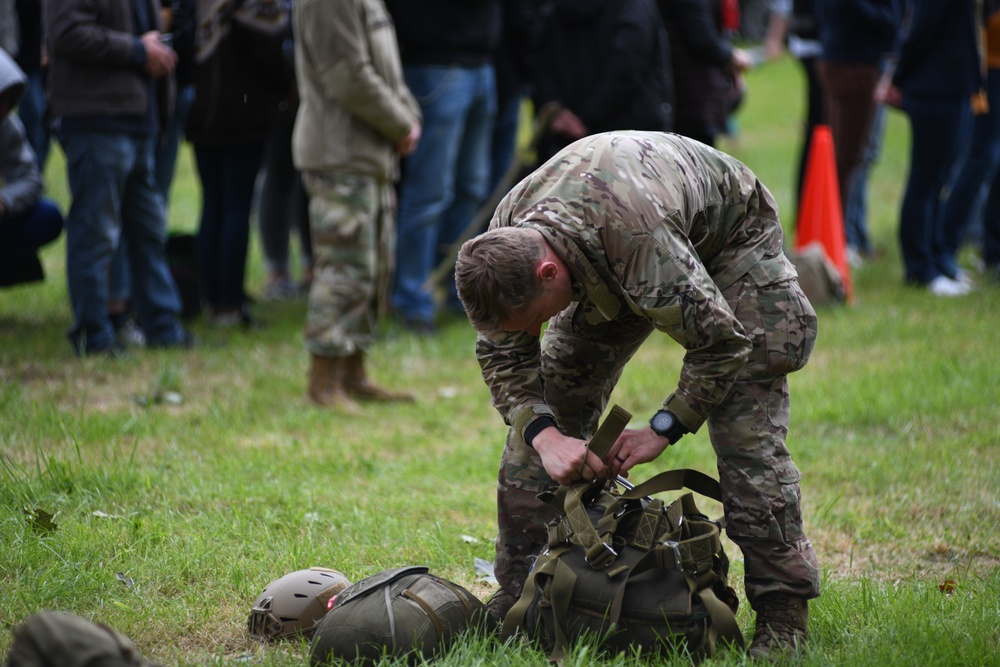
22,236
165,156
445,180
939,128
113,197
977,172
31,111
856,207
228,175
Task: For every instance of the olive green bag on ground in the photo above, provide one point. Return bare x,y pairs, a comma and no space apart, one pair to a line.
628,571
401,613
58,639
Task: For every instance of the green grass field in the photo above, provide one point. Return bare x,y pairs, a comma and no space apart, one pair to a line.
168,520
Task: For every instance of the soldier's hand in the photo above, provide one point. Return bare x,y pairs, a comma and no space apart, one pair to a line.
567,459
160,58
632,448
408,144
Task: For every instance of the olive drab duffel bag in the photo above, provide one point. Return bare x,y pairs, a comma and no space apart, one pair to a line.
401,613
627,570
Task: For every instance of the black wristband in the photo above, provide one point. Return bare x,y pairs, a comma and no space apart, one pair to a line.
536,427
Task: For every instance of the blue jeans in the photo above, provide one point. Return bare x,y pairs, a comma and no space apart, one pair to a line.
165,159
446,179
504,138
21,237
976,172
113,197
31,111
856,210
228,174
939,129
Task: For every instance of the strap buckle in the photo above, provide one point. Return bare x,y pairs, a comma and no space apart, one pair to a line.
676,549
600,556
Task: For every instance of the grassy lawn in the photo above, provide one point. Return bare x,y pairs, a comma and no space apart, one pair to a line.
168,520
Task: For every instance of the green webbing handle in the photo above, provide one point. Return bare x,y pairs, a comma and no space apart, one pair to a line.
608,432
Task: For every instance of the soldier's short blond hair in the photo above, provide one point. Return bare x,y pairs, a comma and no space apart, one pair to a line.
496,274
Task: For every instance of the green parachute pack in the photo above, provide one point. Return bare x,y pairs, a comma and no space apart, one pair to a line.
628,571
403,613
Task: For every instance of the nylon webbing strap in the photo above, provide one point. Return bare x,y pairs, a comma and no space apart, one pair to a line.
608,432
673,480
429,610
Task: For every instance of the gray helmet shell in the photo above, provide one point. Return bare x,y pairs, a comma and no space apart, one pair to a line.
295,603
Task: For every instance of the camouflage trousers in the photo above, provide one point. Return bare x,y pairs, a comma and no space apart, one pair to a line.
580,365
353,238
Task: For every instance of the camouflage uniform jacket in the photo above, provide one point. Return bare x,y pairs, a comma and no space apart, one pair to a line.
354,104
651,223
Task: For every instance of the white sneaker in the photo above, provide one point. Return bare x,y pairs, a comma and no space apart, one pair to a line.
130,335
945,286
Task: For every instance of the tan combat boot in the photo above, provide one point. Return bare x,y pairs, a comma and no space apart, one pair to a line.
360,387
500,604
326,384
782,622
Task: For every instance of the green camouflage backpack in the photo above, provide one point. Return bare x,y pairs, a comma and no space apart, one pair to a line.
401,613
630,572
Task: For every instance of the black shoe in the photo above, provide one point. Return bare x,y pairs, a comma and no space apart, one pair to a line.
113,351
186,342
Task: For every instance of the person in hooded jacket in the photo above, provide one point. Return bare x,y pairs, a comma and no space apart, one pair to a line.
27,220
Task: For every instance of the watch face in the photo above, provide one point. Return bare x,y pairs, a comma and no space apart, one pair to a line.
662,422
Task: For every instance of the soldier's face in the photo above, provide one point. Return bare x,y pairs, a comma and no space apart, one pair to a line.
556,295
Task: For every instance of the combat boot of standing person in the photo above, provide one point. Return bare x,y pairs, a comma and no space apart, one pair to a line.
616,237
355,118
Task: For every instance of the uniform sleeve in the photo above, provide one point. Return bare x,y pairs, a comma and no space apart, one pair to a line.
335,36
510,366
668,284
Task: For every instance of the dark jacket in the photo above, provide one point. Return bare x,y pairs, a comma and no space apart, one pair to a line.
242,75
446,32
607,61
858,31
701,56
97,62
938,56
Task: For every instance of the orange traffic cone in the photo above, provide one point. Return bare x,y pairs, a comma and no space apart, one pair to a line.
821,218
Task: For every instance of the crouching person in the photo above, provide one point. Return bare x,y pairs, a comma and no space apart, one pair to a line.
27,220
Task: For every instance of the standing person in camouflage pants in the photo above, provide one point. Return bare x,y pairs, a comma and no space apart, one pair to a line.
355,118
619,235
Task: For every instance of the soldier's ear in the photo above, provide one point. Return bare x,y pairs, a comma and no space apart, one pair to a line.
547,270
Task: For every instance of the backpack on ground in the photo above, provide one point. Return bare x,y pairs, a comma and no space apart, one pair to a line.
630,572
59,639
401,613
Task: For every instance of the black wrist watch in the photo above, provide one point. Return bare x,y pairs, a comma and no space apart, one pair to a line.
665,424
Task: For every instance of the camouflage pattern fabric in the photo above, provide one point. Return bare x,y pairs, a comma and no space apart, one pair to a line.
661,233
350,217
